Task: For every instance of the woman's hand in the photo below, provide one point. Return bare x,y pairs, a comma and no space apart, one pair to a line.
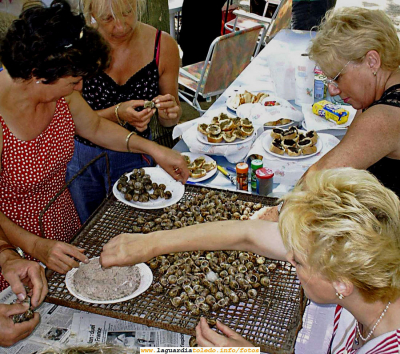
206,337
11,332
19,272
172,162
139,120
125,250
168,109
58,256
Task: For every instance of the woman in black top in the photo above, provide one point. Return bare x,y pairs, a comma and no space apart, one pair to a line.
359,51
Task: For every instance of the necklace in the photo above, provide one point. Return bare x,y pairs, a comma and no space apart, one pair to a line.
375,325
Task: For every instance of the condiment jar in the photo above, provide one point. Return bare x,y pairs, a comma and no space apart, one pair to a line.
255,165
265,181
242,179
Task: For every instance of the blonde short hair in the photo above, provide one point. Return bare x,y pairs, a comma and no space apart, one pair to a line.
347,227
348,33
102,7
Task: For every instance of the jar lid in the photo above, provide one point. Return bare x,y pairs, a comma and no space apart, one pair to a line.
264,173
242,167
256,164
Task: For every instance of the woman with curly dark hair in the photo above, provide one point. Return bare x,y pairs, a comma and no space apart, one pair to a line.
46,53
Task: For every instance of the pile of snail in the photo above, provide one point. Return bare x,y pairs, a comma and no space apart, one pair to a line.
208,205
139,187
204,281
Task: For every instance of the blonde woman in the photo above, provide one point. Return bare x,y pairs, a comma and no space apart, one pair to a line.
359,50
341,230
144,66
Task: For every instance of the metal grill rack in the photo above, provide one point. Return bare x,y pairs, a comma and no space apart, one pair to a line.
270,321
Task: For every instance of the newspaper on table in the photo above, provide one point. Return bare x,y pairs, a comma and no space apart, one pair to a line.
90,329
62,327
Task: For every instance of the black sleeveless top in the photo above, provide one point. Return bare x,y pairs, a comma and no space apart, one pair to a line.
386,169
101,91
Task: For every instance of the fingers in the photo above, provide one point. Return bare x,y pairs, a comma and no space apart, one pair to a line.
62,257
200,337
39,285
226,330
24,329
17,286
16,309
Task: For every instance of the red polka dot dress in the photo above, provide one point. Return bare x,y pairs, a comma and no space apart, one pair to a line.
33,172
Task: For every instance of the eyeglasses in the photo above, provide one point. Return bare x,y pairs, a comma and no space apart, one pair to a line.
333,82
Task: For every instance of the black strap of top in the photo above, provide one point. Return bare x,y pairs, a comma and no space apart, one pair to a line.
157,44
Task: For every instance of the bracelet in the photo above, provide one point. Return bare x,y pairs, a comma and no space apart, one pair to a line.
127,140
7,246
119,120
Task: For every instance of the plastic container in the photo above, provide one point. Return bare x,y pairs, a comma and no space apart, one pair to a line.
304,75
319,87
255,165
265,181
242,176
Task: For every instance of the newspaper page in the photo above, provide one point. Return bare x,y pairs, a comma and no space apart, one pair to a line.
90,329
52,331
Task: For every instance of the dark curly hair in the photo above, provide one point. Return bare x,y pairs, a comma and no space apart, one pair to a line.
52,42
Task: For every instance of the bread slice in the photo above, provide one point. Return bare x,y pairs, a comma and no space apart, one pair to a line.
215,120
208,166
284,121
215,138
246,122
213,129
304,143
313,136
200,161
226,124
236,122
293,151
239,134
260,96
308,150
202,128
247,130
191,166
235,101
277,133
198,173
187,159
287,143
229,136
276,147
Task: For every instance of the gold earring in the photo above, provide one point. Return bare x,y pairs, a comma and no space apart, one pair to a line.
374,73
340,296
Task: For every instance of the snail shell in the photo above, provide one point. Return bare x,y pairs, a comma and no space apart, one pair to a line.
176,301
252,293
265,281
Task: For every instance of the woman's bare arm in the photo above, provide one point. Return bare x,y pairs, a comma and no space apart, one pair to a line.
258,236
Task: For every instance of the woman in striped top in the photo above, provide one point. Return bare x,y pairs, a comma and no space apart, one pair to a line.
340,228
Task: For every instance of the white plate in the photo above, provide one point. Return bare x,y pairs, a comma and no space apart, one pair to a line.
266,143
203,139
209,174
230,98
159,176
146,276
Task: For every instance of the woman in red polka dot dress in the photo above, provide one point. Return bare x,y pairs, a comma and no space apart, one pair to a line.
45,53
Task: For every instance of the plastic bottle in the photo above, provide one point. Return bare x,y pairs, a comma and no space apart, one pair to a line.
242,176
